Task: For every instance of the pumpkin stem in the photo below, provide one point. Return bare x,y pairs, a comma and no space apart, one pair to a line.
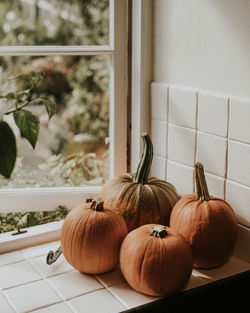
141,176
202,190
197,182
97,205
158,231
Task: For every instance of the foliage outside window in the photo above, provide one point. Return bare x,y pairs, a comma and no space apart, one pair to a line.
77,145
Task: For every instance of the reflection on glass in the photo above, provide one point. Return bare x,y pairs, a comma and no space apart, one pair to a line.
54,22
72,147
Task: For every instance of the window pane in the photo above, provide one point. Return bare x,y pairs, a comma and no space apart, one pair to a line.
54,22
72,147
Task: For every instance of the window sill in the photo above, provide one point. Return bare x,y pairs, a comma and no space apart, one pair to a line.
60,288
35,235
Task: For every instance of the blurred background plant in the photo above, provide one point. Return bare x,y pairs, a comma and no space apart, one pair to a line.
73,148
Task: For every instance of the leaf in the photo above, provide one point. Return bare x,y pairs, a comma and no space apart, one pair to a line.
7,150
28,125
50,105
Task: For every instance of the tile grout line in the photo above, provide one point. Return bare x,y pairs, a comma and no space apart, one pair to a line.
9,302
118,298
227,145
196,135
167,141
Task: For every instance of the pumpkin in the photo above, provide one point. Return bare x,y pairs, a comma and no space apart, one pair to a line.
138,198
156,260
91,237
208,224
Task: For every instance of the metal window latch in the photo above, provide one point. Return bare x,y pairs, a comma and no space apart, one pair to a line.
53,256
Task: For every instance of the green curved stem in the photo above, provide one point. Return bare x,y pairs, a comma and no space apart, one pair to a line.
141,176
201,184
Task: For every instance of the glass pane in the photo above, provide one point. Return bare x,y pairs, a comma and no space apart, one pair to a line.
72,147
54,22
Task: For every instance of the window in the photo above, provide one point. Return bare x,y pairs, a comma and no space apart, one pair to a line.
18,51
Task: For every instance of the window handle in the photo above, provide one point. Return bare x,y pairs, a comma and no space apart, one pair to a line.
53,256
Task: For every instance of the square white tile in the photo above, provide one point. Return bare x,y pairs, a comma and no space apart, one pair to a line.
59,267
32,296
212,114
238,196
11,257
4,305
17,273
158,167
97,301
55,308
181,176
182,106
215,185
129,296
239,125
73,284
112,278
239,162
159,137
181,145
211,152
40,249
159,100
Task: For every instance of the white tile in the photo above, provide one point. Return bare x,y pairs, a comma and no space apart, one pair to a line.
239,162
182,106
159,137
211,152
239,125
55,308
181,144
97,301
40,249
181,176
4,305
129,296
112,278
59,267
159,99
238,196
158,167
215,185
79,284
32,296
11,257
242,247
16,274
212,114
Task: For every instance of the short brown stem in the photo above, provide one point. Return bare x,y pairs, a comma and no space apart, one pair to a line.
97,205
158,231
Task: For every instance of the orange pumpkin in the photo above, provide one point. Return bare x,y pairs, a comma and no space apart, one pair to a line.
208,224
138,198
156,260
91,237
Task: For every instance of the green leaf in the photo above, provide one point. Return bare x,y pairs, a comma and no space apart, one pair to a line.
50,105
7,150
28,125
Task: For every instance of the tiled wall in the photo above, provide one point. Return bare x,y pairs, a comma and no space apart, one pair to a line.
190,125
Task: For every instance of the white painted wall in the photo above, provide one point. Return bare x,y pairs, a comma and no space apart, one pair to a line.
203,44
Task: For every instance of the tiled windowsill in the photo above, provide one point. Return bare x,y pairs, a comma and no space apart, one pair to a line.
28,284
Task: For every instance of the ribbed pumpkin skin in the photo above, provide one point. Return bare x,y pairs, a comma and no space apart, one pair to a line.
91,239
140,204
156,266
210,227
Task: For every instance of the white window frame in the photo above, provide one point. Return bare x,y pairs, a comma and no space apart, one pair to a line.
39,199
